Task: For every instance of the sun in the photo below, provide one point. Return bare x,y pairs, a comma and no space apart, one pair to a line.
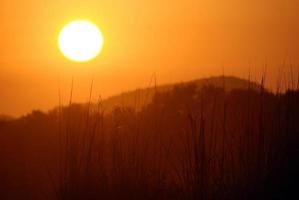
80,41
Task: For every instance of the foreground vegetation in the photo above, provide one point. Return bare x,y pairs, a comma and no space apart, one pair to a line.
188,143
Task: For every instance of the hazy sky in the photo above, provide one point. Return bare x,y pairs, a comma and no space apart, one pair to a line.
177,40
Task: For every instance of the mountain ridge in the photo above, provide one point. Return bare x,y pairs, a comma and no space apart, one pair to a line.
142,96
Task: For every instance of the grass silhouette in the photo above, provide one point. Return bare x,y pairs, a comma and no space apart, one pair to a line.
188,143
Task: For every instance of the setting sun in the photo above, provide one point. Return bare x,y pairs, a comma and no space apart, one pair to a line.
80,41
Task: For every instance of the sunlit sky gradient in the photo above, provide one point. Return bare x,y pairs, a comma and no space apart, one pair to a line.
177,40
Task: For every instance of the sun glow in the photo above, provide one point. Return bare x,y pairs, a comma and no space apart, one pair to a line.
80,41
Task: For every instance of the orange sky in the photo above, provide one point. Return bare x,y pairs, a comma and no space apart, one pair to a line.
177,40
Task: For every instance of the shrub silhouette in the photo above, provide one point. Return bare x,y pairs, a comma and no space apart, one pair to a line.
188,143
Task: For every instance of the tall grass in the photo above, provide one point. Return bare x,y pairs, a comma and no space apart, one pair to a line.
187,144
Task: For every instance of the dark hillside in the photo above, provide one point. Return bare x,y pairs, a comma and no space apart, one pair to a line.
143,96
189,142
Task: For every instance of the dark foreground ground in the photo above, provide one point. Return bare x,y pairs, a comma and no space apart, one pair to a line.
188,143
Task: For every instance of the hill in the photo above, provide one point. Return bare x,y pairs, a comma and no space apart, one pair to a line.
143,96
206,143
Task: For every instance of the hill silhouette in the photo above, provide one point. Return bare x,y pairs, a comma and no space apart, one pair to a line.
218,138
141,97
